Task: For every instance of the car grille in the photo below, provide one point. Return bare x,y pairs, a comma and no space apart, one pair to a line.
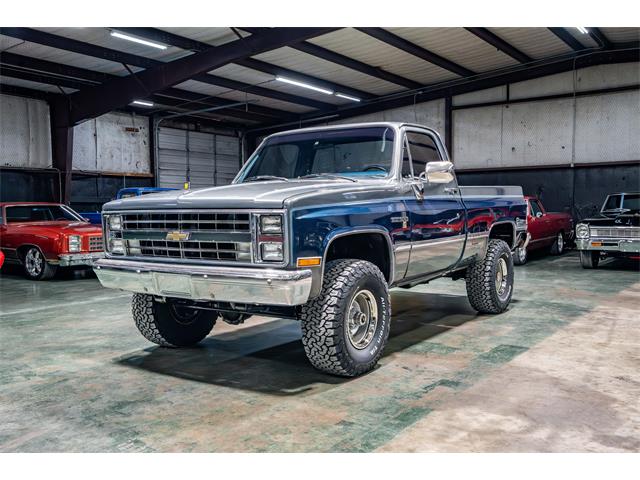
615,232
95,243
208,236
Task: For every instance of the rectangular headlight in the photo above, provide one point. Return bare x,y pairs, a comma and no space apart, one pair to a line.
75,242
116,245
115,222
271,224
272,252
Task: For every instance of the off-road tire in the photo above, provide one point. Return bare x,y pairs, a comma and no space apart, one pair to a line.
325,323
159,323
589,258
520,256
47,270
481,279
558,246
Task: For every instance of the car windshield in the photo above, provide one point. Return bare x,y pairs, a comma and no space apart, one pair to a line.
628,202
331,153
40,213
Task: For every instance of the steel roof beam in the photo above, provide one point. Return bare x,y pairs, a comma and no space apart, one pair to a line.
76,46
567,38
339,59
415,50
198,99
505,47
251,63
599,37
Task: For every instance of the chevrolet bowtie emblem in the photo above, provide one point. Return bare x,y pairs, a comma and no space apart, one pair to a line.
177,236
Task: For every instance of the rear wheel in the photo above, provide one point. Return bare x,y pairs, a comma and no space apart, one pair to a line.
490,282
171,324
558,245
345,328
35,265
589,258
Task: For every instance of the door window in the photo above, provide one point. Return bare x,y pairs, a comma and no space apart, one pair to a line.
535,208
423,150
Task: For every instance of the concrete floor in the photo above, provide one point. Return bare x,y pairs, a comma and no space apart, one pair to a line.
559,371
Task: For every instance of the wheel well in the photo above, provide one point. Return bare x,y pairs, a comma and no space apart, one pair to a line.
504,231
370,246
22,250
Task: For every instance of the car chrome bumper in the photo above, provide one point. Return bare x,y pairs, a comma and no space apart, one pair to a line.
609,245
77,259
261,286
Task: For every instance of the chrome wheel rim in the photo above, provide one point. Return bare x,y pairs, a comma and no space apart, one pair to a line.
34,262
502,276
362,319
522,254
560,242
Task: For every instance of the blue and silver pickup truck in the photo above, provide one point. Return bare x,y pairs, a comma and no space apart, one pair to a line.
317,226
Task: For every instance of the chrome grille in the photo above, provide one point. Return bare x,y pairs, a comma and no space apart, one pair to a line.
615,232
95,243
208,236
187,222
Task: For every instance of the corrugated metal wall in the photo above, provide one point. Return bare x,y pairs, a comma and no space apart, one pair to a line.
25,134
204,159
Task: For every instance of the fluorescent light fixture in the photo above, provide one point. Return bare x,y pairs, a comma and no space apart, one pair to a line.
582,30
143,103
342,95
148,43
303,85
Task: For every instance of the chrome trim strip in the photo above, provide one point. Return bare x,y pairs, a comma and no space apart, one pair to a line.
230,284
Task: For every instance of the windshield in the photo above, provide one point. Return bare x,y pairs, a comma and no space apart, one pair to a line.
40,213
331,153
620,202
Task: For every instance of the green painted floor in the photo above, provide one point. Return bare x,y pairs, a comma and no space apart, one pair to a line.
559,371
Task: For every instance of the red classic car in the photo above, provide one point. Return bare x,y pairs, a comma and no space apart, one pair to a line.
44,236
546,229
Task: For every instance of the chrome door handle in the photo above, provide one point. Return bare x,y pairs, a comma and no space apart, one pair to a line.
451,191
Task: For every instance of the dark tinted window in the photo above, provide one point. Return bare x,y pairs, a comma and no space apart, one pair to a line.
423,150
631,202
613,202
38,213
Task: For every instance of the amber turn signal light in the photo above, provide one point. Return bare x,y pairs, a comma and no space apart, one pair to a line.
596,244
309,261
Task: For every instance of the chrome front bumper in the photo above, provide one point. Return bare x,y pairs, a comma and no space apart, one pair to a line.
260,286
77,259
609,245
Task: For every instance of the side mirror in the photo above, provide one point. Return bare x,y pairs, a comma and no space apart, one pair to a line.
439,172
539,214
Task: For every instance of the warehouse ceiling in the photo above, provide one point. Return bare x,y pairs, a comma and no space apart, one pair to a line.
263,77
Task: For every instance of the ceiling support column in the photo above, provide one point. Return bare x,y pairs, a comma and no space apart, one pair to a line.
62,146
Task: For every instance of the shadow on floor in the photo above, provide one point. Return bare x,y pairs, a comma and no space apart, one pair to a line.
269,358
62,275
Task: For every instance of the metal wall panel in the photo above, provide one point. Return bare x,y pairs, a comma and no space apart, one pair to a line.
25,133
204,159
115,142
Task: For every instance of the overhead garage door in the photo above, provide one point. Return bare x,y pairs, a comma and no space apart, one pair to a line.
204,159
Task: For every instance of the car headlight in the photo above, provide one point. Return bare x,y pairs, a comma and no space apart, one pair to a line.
272,252
115,222
116,245
75,242
582,230
271,224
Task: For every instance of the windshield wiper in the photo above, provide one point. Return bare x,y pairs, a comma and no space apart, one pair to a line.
328,175
260,178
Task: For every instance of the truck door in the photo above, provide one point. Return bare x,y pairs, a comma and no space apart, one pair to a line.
540,225
436,211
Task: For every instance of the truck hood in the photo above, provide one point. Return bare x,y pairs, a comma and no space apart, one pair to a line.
271,194
624,220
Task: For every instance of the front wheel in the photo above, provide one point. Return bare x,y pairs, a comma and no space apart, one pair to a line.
490,282
35,265
520,256
169,323
589,258
346,327
558,245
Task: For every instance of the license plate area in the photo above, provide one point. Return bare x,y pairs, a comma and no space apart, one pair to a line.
173,285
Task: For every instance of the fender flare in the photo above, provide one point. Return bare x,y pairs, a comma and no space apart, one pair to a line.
513,226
